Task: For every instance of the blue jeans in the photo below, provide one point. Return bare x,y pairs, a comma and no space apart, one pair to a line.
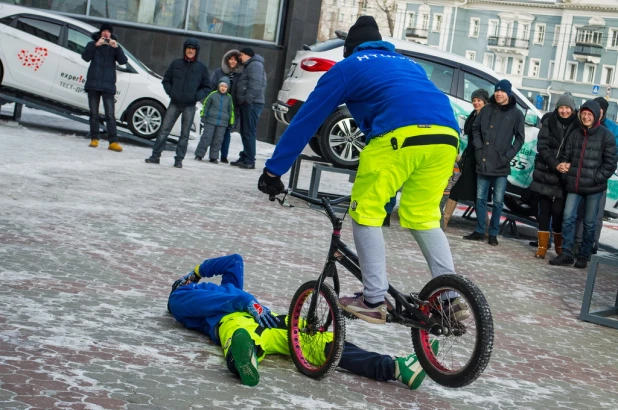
569,225
482,190
94,97
171,115
249,116
225,146
354,359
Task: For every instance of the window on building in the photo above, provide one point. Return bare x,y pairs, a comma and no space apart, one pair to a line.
508,29
473,83
439,74
437,22
424,21
608,75
475,25
488,60
410,20
341,17
612,39
524,31
42,29
518,66
499,64
471,55
539,34
574,34
550,73
351,18
571,71
65,6
589,71
589,37
534,68
492,28
166,13
557,29
253,19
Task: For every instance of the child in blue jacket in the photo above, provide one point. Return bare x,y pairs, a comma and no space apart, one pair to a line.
248,330
218,114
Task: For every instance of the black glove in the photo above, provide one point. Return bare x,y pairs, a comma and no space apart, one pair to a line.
270,185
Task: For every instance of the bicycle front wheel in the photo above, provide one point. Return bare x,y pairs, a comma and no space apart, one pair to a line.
315,338
465,346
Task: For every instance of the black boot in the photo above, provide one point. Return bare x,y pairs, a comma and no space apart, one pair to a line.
563,259
581,263
475,236
178,163
152,160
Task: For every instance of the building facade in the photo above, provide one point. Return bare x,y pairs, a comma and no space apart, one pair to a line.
544,47
154,31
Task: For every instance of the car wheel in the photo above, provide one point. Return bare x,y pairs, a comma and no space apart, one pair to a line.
314,144
144,118
341,140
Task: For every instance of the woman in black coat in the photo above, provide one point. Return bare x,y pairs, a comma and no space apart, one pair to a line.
465,187
547,181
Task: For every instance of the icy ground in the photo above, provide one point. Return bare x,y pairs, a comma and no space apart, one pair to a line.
91,240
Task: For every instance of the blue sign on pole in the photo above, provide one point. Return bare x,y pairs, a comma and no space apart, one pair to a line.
595,89
539,102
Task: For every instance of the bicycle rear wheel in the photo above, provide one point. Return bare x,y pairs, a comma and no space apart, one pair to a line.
466,345
308,333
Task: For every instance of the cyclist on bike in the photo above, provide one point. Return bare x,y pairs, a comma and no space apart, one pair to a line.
412,139
248,330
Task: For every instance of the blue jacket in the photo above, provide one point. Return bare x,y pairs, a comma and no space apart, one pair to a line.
201,306
383,90
612,126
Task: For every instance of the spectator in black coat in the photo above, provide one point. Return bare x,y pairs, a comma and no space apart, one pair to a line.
497,136
230,68
547,180
465,187
186,81
588,160
103,53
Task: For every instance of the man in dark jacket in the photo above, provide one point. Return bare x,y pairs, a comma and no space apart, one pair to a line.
589,160
497,136
250,98
103,53
186,81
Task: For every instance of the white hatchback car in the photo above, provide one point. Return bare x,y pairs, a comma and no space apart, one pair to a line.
40,56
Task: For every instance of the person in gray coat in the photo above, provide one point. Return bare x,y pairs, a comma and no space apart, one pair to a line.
497,136
218,114
250,98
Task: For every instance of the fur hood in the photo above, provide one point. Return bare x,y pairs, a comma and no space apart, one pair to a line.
225,67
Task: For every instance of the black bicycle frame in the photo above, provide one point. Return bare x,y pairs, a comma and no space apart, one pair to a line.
404,313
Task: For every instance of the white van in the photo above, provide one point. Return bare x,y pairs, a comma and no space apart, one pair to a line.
40,55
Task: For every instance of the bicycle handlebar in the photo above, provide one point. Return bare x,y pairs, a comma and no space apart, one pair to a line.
324,202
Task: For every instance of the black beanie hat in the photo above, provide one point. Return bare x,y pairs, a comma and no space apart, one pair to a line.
365,29
248,51
481,94
604,105
106,26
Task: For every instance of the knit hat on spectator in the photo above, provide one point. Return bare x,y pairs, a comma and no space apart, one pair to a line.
566,100
106,26
365,29
248,51
224,80
604,105
504,85
481,94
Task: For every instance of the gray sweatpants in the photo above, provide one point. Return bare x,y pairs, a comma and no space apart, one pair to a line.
369,242
212,137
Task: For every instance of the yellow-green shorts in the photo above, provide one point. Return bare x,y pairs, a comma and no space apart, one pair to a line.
422,171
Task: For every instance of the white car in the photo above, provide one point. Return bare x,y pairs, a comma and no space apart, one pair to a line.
40,56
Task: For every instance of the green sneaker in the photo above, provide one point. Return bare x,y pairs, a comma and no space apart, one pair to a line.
245,360
409,371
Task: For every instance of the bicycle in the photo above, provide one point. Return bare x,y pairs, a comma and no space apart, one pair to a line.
465,344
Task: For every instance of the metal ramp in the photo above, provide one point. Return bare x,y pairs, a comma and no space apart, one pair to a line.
21,100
